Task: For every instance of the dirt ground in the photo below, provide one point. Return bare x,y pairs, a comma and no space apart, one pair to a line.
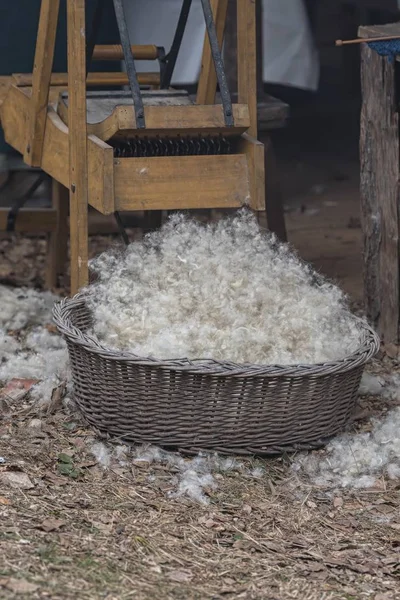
74,530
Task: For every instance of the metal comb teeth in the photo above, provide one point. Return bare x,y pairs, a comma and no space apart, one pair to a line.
178,146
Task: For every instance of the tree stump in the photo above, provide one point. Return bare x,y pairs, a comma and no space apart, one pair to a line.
379,161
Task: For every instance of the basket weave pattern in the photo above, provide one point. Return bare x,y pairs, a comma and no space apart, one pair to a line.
209,405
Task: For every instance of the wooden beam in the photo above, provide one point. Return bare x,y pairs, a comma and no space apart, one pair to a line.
93,79
247,61
380,175
254,151
166,120
184,182
55,159
273,193
57,248
78,167
31,220
114,52
207,87
42,68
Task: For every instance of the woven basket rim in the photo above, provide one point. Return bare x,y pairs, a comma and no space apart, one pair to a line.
62,317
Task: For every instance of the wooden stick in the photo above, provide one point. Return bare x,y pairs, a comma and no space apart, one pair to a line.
57,245
78,162
367,40
114,52
42,67
93,79
208,78
247,60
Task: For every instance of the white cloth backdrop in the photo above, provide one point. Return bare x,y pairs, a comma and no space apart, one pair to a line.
289,56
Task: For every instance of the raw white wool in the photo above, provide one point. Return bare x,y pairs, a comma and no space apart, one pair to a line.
193,476
371,385
358,460
34,352
392,387
257,472
101,453
227,291
192,485
21,307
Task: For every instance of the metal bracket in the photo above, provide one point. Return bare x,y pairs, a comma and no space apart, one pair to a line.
218,63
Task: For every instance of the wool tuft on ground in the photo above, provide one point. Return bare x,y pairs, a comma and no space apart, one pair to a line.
226,291
357,460
29,349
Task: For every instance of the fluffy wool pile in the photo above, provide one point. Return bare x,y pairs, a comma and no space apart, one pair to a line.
358,460
29,349
226,291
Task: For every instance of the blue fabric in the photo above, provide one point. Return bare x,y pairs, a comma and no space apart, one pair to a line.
389,48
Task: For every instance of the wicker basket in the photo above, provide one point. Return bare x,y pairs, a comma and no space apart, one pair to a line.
209,405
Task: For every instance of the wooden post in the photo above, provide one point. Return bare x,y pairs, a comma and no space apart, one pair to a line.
380,175
230,47
207,87
77,143
247,60
57,251
43,64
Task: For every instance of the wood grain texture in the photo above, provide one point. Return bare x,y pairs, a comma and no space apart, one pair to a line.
41,76
247,60
207,86
93,79
181,182
167,120
57,244
274,210
372,31
31,220
114,52
55,160
5,82
254,152
78,158
379,156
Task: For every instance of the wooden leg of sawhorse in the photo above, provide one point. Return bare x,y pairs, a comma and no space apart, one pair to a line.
78,157
57,249
274,214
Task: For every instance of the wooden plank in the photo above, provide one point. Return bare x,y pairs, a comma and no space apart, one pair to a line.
207,86
101,175
181,182
93,79
42,68
379,155
273,193
254,151
114,52
5,82
78,159
247,61
55,160
372,31
31,220
57,245
272,113
230,47
170,119
101,105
